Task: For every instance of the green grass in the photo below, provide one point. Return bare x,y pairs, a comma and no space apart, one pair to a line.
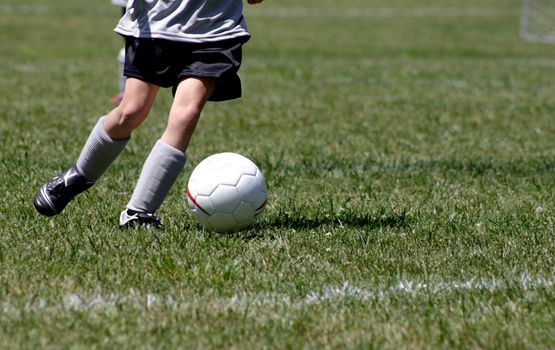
409,151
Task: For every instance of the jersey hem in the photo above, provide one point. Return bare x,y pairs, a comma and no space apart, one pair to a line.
181,37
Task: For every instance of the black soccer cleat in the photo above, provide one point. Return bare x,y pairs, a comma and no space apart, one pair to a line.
54,195
135,219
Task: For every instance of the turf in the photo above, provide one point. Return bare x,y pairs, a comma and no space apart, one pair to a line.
409,151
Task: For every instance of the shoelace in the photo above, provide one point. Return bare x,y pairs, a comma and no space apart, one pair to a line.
56,184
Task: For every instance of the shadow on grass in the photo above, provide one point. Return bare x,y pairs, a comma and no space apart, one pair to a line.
346,220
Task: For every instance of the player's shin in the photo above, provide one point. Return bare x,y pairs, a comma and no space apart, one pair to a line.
99,152
160,170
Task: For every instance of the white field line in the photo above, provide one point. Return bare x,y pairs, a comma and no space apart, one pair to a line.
380,12
21,9
304,12
402,288
328,294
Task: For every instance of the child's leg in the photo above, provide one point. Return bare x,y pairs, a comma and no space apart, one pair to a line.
111,133
190,97
105,143
167,158
116,99
133,110
121,65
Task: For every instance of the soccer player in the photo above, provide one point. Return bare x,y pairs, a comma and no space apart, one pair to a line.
116,99
193,46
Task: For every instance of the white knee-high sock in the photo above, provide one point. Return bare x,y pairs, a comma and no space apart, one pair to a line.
99,152
161,168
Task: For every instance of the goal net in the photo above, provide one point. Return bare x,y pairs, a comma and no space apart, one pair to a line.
537,21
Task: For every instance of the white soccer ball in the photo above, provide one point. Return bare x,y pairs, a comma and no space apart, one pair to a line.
226,192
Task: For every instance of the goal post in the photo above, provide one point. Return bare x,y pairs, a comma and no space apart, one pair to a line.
537,21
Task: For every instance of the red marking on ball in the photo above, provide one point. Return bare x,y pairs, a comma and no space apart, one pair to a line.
195,202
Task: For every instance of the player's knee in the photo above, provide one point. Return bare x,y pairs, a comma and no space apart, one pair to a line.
184,116
128,122
131,117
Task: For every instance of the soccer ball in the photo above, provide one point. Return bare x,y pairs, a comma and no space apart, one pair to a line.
226,192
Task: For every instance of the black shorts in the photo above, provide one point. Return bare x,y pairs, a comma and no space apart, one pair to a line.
166,63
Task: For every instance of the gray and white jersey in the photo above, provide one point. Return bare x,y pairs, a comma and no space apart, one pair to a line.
196,21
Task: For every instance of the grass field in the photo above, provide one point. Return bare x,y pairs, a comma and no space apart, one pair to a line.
409,150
